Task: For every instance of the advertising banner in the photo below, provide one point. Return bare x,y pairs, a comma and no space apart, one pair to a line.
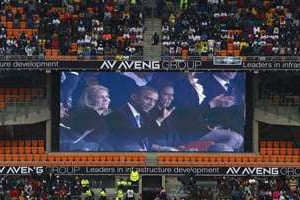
197,171
217,63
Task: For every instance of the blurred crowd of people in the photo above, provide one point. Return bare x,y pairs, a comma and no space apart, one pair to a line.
257,188
40,187
189,28
254,28
49,186
103,28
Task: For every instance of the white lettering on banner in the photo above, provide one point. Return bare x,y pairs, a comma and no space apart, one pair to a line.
289,171
21,170
233,170
181,65
108,65
253,171
103,170
2,169
13,170
130,65
65,170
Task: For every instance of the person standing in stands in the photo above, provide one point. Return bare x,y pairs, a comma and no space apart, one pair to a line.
155,39
130,194
119,195
163,194
89,194
103,194
85,184
134,178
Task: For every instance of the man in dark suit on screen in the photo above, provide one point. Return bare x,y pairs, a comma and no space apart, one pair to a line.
194,109
228,112
133,125
225,117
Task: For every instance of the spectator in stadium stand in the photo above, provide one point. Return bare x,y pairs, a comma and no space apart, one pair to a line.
134,177
119,194
85,184
14,192
51,18
129,195
155,39
122,184
88,120
90,194
103,194
264,28
2,192
163,194
133,123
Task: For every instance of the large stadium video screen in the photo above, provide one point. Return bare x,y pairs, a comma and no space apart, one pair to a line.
152,111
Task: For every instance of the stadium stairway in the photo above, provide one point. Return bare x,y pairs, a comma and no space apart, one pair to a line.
152,52
25,113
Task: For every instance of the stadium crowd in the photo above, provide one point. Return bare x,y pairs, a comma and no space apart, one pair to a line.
257,28
50,186
189,28
83,28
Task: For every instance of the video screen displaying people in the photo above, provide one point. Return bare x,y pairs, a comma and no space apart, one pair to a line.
152,111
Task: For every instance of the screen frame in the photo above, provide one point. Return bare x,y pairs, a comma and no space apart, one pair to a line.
55,117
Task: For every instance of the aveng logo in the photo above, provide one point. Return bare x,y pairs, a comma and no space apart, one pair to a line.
21,170
252,171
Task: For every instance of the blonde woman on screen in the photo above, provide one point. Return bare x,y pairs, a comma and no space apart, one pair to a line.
89,120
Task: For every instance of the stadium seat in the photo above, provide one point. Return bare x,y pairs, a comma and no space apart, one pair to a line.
21,143
7,143
269,143
289,144
21,150
296,151
41,143
289,151
34,143
9,25
22,157
275,151
27,143
282,151
29,157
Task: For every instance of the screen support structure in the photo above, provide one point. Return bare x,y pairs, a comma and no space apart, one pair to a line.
48,122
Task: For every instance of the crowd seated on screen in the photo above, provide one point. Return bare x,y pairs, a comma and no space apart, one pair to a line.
82,28
256,28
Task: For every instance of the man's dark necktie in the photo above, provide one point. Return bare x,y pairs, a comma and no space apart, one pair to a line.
230,90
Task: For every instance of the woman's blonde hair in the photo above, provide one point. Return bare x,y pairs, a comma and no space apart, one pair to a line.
88,93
